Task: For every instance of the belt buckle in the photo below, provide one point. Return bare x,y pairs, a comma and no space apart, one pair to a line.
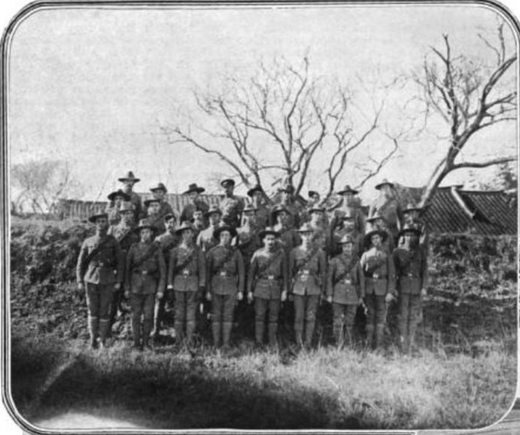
222,273
185,272
348,281
375,276
410,275
270,277
144,272
304,275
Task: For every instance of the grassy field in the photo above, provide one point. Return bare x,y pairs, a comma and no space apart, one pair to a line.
249,389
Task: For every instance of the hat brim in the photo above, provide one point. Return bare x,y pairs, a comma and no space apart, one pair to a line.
155,189
251,191
218,231
181,229
149,201
198,190
228,181
113,195
135,180
410,230
264,233
210,212
144,227
368,236
342,192
92,219
378,186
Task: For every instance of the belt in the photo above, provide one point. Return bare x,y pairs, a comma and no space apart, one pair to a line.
270,277
185,273
224,274
411,275
101,264
142,272
376,276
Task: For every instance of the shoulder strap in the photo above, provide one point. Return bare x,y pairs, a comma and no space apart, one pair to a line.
270,262
151,251
348,268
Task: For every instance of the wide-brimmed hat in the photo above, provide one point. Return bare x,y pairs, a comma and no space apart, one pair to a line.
312,193
158,186
232,231
376,215
129,177
410,228
383,182
112,196
346,189
412,207
347,238
254,189
227,181
249,207
277,209
213,209
267,231
305,228
96,216
184,226
145,224
372,231
317,208
126,206
149,201
194,188
168,216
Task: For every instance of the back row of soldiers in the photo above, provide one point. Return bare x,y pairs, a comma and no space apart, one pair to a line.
254,251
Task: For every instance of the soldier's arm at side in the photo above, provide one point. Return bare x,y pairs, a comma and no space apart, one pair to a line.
162,271
285,273
330,278
80,266
291,266
171,267
425,275
252,272
361,280
129,263
241,272
120,266
391,275
209,269
202,269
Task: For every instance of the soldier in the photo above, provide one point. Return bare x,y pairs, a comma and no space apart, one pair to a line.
99,271
225,283
267,284
153,208
378,221
411,268
145,281
199,222
288,203
193,192
187,277
258,201
206,239
116,199
388,206
167,241
348,204
320,229
230,205
345,290
289,237
126,237
159,192
412,216
128,183
308,271
378,269
347,226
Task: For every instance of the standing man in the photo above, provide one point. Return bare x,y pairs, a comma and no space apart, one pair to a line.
347,226
412,217
378,221
145,281
206,239
411,268
348,204
225,283
263,211
379,271
128,184
125,235
320,229
289,204
268,285
99,272
231,205
187,278
195,203
116,199
313,201
308,272
388,206
159,192
345,290
166,241
288,236
153,208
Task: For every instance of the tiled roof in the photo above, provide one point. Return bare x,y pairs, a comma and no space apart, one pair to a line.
487,213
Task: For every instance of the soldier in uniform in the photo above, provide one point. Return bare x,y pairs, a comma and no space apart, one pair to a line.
199,222
388,206
411,269
267,284
128,183
166,241
99,272
116,199
347,226
225,283
159,192
412,217
187,277
308,272
126,237
345,290
378,221
263,212
313,201
145,281
195,203
348,205
288,203
231,205
378,268
206,239
153,208
289,237
320,229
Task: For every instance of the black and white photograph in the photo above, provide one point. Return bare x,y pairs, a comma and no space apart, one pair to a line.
260,217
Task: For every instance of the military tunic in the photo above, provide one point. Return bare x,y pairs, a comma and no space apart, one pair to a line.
146,269
391,211
205,239
225,270
336,237
289,238
248,242
187,211
157,221
231,207
135,199
339,213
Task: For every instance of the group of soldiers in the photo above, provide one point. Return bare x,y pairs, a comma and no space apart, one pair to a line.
247,259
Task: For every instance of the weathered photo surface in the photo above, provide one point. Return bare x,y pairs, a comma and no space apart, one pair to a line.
261,216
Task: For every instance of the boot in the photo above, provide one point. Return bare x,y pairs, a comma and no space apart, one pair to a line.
215,329
338,335
309,334
370,335
403,343
147,329
93,331
179,332
157,317
190,332
411,338
136,332
299,337
273,328
227,326
104,326
259,333
380,333
349,335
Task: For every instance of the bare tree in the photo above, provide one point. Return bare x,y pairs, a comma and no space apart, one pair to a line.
469,97
41,183
280,123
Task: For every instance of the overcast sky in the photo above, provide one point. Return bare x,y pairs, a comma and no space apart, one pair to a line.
91,86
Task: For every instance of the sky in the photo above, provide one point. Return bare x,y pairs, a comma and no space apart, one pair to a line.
92,86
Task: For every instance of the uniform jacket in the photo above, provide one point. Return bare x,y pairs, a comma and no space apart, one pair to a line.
148,276
321,237
113,214
157,221
346,282
263,216
167,242
225,270
248,242
135,199
411,270
379,271
308,271
125,236
231,207
187,211
391,210
336,237
193,274
205,239
268,283
106,267
289,238
340,212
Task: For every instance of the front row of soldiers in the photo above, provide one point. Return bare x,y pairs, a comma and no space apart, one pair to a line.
173,267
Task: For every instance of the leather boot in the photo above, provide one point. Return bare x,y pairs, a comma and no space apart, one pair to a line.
215,329
370,335
411,337
179,332
136,332
226,333
259,333
190,332
104,326
157,317
273,328
147,329
338,334
93,331
299,337
309,334
380,333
